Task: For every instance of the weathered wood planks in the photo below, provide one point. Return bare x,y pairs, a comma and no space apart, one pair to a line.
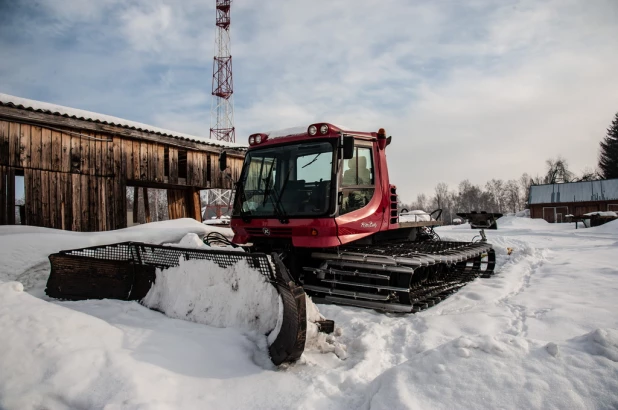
77,178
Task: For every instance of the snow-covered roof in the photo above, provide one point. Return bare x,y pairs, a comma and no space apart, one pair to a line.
286,132
47,108
602,190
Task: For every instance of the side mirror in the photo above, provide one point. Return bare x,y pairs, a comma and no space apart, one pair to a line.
223,161
348,147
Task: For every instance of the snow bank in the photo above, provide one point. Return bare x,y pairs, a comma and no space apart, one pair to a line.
523,214
239,297
120,355
321,342
609,227
24,249
521,222
203,292
414,216
606,213
505,372
541,333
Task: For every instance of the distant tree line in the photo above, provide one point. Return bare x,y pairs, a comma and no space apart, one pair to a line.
496,196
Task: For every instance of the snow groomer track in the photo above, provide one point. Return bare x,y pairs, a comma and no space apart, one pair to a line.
404,277
127,271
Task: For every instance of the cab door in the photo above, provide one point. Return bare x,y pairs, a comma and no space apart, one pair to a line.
357,201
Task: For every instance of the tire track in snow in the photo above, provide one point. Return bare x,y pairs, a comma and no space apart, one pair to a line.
518,312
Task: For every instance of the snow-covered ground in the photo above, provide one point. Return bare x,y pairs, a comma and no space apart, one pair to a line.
542,333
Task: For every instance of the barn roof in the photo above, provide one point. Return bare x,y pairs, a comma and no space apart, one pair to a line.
43,107
602,190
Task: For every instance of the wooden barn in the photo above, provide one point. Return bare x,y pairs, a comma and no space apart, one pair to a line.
82,171
553,202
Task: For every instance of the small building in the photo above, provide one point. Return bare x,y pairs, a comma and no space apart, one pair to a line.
83,171
553,202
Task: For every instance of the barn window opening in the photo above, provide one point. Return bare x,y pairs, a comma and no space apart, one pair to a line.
141,211
20,198
166,162
216,206
182,163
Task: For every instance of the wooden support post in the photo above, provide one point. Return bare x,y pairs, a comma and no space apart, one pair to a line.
135,203
10,197
193,203
2,196
146,205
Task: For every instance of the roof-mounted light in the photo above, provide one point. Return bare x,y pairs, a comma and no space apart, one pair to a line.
256,139
312,130
324,129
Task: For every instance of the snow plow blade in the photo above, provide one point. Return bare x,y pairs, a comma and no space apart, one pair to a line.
127,270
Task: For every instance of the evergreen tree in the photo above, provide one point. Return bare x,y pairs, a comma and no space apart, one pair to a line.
608,159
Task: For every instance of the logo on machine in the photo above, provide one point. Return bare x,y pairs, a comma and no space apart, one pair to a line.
266,231
369,225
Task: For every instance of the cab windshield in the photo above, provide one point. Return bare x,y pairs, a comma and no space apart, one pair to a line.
289,180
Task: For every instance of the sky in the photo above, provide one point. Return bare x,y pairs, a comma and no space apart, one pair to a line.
477,89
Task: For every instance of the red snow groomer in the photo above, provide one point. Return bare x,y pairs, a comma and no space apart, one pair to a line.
323,201
314,211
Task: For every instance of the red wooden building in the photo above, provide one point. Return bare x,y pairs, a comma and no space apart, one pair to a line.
553,202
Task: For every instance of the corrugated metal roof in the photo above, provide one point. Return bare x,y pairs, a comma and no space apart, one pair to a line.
47,108
602,190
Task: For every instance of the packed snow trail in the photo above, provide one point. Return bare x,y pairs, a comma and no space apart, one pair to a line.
541,333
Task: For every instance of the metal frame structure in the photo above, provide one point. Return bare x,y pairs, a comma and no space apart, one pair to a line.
222,110
219,200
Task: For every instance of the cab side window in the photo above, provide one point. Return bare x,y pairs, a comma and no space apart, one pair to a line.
357,181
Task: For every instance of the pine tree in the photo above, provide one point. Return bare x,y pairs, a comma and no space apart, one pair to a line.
608,159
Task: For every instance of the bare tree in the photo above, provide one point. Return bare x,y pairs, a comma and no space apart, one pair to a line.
441,192
495,188
558,171
513,196
589,174
421,202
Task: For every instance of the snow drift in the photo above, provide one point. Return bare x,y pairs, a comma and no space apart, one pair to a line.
203,292
540,334
467,372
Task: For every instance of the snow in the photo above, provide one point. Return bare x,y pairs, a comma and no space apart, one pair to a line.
24,249
224,220
606,213
287,132
74,112
414,216
540,334
203,292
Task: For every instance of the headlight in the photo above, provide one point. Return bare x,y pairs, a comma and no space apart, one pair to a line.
251,140
258,139
313,130
323,129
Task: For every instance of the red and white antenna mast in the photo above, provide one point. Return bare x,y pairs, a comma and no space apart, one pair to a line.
222,110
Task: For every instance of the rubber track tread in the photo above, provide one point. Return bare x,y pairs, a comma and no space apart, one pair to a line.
447,267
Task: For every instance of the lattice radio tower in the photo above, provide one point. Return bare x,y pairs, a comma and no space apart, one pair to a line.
222,110
217,201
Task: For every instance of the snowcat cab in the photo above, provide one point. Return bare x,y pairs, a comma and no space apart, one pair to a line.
322,199
321,188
